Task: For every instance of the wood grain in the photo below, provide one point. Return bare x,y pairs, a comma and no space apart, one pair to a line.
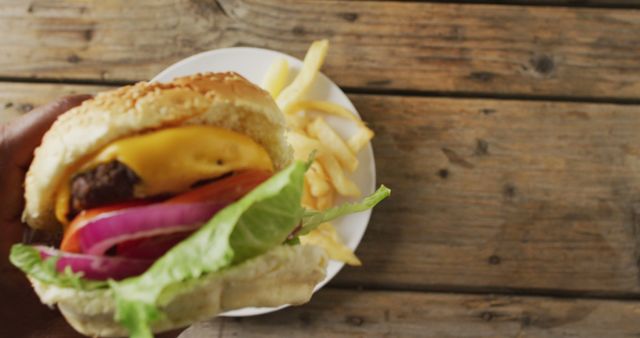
463,48
491,194
503,194
341,313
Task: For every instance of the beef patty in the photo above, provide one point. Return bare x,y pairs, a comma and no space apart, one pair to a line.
109,183
106,183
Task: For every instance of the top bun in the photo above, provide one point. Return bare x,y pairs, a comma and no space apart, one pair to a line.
225,100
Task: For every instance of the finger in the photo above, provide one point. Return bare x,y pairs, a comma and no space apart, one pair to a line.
11,191
17,142
25,134
11,177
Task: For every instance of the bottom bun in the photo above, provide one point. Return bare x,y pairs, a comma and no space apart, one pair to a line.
284,275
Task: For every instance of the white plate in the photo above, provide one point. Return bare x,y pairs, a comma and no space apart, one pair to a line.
252,63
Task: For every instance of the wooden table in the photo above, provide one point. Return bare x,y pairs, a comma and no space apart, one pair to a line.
509,133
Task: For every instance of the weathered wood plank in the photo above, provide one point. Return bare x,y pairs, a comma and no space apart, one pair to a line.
603,3
375,45
493,194
349,313
340,313
503,194
576,3
19,98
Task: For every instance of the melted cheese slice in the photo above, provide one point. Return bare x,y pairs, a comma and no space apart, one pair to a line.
171,160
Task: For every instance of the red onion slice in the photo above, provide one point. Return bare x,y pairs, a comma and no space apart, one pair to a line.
151,248
101,234
96,267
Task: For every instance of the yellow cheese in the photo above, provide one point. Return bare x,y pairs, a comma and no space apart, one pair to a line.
171,160
62,203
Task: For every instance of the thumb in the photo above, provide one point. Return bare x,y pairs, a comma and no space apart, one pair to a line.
17,142
24,134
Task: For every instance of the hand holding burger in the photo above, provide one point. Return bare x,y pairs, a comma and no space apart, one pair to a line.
17,142
176,201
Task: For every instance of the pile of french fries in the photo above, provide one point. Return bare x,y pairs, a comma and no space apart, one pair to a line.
309,132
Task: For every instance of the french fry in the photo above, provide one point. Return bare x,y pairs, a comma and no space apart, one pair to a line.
316,177
318,168
326,237
307,200
324,107
297,122
302,145
360,139
317,184
312,62
276,77
333,142
357,141
343,185
325,201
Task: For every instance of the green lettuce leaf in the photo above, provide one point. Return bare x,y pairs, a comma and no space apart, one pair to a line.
28,259
256,223
312,219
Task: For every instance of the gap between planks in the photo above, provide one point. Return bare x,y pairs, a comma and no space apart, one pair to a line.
365,91
604,4
479,291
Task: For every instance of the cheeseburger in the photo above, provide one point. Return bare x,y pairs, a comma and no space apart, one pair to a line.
176,201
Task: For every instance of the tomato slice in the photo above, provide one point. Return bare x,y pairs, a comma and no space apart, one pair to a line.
226,190
71,241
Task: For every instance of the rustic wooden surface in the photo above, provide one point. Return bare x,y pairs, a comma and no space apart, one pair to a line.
436,47
503,194
348,313
508,133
